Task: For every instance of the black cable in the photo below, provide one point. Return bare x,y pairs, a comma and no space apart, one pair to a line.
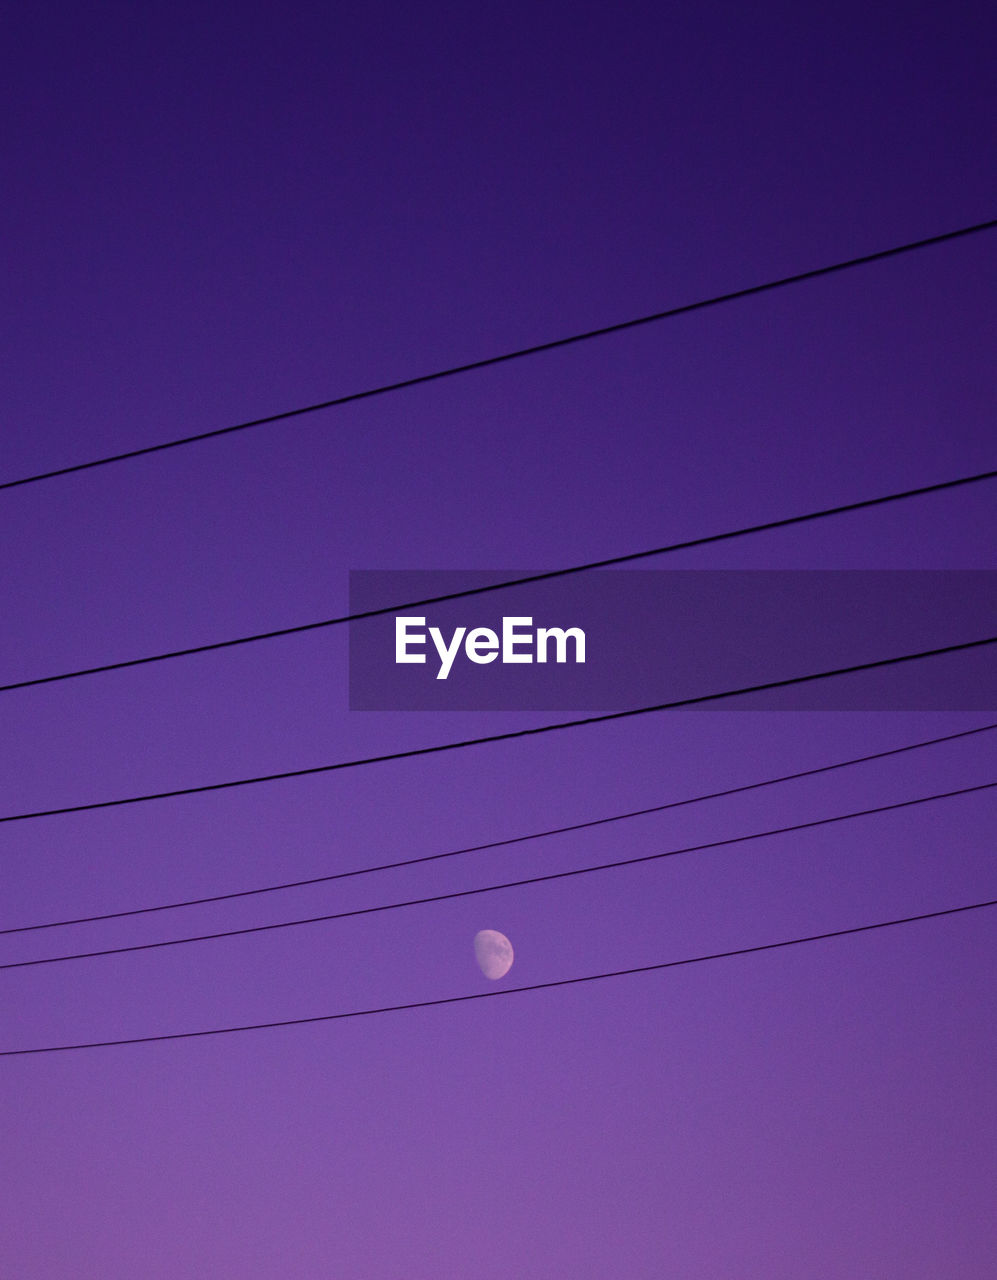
519,354
508,991
494,888
510,840
496,737
609,563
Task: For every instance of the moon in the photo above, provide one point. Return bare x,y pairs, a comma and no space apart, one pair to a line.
493,952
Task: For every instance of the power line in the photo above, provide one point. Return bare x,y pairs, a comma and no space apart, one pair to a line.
608,563
494,888
504,358
412,752
511,840
507,991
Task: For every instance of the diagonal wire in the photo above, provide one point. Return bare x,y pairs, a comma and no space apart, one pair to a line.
510,840
494,888
519,354
610,562
509,991
508,736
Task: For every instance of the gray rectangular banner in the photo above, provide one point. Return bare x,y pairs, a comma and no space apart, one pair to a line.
610,640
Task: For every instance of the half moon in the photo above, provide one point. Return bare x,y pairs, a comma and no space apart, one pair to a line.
493,952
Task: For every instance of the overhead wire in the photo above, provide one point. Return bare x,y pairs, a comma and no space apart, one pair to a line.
508,736
548,877
506,991
421,379
520,353
509,840
609,562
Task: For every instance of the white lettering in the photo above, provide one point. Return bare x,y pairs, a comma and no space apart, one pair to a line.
561,638
447,653
481,645
403,640
511,637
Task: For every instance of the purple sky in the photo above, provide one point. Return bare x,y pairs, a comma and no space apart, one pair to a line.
214,214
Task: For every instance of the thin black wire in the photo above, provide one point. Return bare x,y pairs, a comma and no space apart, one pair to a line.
494,888
507,991
510,840
518,354
546,576
508,736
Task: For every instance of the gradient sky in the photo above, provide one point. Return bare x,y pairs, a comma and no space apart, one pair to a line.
211,214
